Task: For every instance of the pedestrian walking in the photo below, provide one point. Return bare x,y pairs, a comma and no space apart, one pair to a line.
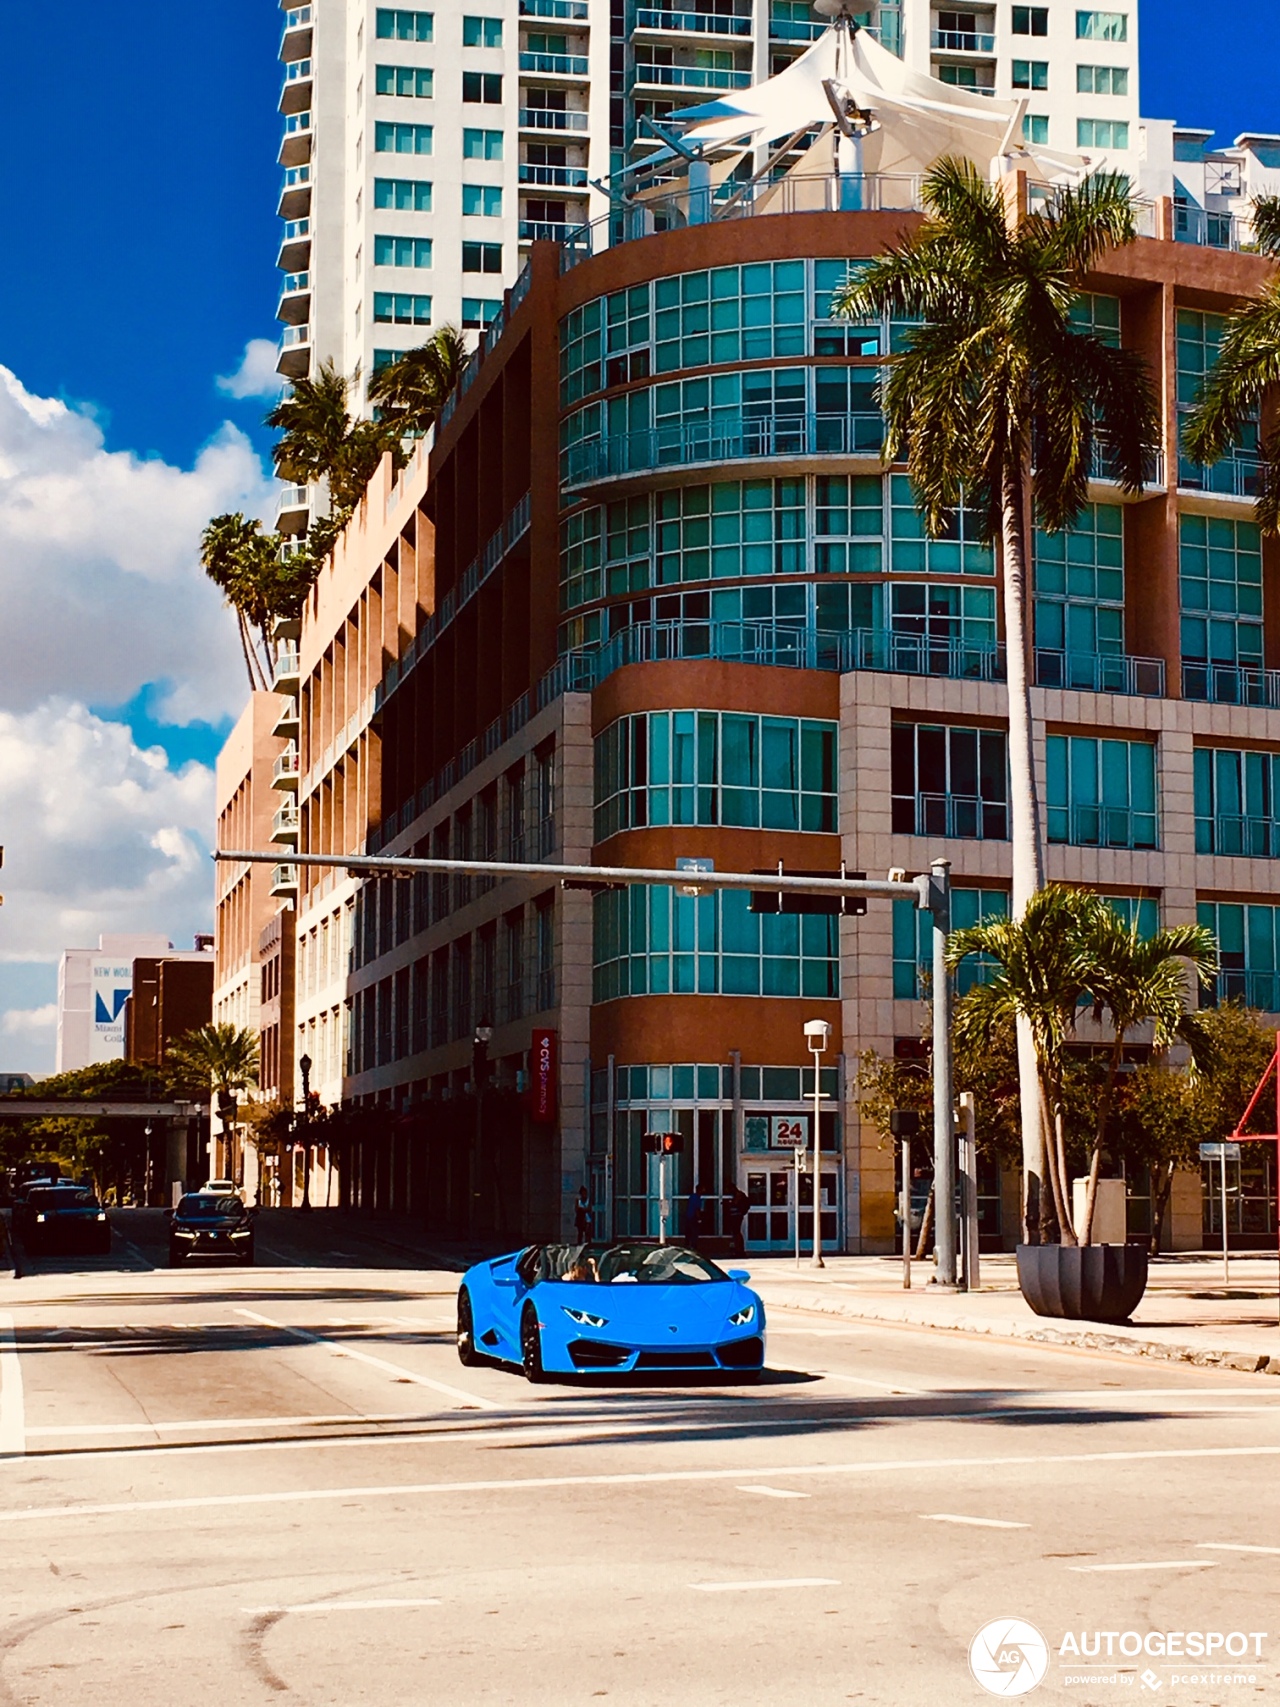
693,1217
584,1221
735,1214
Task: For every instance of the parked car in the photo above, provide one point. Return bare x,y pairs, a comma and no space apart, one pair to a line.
610,1309
210,1224
63,1217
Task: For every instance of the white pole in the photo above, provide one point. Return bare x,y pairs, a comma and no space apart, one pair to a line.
1222,1174
906,1213
969,1191
795,1207
816,1260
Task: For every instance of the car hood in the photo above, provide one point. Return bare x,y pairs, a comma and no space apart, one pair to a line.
201,1223
624,1305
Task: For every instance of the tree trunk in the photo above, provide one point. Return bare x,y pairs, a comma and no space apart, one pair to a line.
1160,1207
1067,1233
926,1226
1095,1160
1027,847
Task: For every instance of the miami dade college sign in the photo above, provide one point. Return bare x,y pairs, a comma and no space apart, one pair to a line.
542,1077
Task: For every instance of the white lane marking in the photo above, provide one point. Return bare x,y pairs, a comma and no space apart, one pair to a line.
767,1583
1236,1547
342,1606
774,1493
396,1369
13,1441
62,1430
856,1381
230,1501
977,1522
1151,1565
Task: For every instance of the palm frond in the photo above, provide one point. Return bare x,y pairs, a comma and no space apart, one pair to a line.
1266,224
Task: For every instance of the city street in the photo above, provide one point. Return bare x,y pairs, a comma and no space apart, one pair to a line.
280,1484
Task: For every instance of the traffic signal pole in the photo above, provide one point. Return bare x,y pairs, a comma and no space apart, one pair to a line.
930,892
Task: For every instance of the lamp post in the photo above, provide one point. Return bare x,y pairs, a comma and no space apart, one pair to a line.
816,1033
480,1042
304,1067
146,1171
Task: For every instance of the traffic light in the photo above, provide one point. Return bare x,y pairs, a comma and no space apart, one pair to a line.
662,1143
792,901
904,1122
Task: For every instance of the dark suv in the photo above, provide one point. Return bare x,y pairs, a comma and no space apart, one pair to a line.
208,1224
63,1217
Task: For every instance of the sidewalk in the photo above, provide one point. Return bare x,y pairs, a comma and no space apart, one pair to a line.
1188,1315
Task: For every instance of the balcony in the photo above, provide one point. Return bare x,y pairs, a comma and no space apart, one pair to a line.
552,118
1230,684
688,443
284,773
295,193
696,23
285,825
1102,466
295,42
284,881
293,513
1094,672
295,246
295,352
1232,477
295,96
1102,827
554,177
545,230
1242,838
963,41
793,29
295,148
1192,224
567,11
294,306
688,77
286,727
554,64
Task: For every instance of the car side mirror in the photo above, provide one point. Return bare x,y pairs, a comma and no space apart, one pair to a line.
739,1274
503,1280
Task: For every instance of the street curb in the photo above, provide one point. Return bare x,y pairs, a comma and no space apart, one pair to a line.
1251,1363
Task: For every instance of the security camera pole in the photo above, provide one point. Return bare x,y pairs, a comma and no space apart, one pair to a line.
816,1032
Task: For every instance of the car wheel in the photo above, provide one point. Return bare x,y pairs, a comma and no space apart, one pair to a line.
468,1356
531,1346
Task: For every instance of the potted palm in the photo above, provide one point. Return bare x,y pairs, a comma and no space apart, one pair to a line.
1072,955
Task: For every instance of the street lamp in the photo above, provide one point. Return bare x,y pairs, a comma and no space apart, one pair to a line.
816,1033
304,1067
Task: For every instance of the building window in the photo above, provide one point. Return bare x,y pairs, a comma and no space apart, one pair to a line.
482,200
478,311
1030,20
1031,74
397,310
1101,794
1035,128
1099,315
482,257
734,528
1199,342
481,144
1101,26
713,767
939,630
848,524
1102,79
729,314
1237,802
1079,597
653,941
913,942
950,782
485,86
1220,581
460,988
482,32
401,252
1102,133
395,25
401,138
404,195
1249,968
959,553
544,942
513,999
413,80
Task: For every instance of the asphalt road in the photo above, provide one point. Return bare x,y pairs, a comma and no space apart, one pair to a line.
279,1485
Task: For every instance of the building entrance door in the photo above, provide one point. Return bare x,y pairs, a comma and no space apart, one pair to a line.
770,1188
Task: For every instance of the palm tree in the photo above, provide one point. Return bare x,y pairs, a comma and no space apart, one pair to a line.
227,546
1140,981
412,390
997,402
321,440
1244,376
260,580
218,1057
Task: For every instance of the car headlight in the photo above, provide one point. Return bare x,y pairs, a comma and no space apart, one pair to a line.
102,1215
740,1318
239,1232
584,1318
42,1217
185,1232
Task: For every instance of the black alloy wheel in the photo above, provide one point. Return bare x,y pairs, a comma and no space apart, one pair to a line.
531,1345
468,1356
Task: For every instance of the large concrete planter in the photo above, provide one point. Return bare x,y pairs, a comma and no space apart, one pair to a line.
1089,1283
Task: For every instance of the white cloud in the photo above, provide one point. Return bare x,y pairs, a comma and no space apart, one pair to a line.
30,1023
100,835
100,581
256,376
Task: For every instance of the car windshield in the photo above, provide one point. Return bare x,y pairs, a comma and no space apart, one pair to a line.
652,1265
62,1197
197,1204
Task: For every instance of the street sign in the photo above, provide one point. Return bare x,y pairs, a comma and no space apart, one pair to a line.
1220,1152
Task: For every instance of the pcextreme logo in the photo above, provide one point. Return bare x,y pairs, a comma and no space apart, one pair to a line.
1008,1657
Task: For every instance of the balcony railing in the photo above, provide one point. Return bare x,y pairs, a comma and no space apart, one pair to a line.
543,230
961,817
1192,224
297,71
284,773
1233,477
700,23
572,11
295,335
296,17
554,177
1095,672
1102,827
963,41
551,118
690,77
920,655
731,440
284,880
292,282
1102,465
295,176
1247,838
1230,684
285,824
286,667
294,498
796,29
555,64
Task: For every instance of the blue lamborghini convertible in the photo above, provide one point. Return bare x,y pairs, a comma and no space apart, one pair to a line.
609,1309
